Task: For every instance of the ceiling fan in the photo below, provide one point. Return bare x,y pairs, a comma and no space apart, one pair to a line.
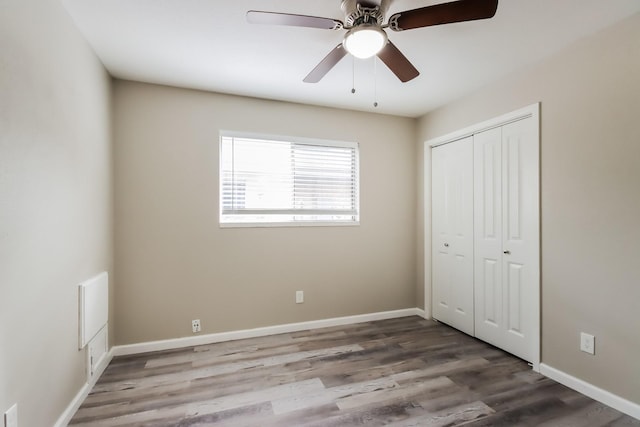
365,37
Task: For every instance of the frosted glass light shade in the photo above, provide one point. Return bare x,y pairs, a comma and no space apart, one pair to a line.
365,41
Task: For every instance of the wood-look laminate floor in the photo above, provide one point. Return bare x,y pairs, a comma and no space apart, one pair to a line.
399,372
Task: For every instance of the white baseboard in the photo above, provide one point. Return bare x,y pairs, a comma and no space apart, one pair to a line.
171,344
603,396
68,413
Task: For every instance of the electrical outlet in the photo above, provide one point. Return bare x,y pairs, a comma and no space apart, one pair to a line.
195,325
11,417
587,343
299,297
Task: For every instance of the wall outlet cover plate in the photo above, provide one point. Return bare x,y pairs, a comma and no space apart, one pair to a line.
587,343
195,326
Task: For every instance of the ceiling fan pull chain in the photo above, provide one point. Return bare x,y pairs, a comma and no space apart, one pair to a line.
353,74
375,82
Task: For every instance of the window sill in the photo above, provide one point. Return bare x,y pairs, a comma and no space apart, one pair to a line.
288,224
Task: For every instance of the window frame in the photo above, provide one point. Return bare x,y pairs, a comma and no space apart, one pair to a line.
291,223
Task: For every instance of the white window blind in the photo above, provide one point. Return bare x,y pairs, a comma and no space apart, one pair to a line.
271,180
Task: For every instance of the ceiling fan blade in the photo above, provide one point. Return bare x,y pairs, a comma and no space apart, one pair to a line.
444,13
326,64
275,18
398,63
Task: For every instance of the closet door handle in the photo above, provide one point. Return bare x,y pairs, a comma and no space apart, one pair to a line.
446,245
507,252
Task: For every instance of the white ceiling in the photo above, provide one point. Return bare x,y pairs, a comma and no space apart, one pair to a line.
207,44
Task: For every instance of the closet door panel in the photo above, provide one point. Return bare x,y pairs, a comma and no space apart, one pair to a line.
441,266
452,229
462,286
521,247
489,295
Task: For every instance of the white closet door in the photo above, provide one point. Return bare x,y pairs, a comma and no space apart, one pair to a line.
488,235
506,220
452,231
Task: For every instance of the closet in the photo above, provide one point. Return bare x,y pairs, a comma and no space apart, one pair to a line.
486,235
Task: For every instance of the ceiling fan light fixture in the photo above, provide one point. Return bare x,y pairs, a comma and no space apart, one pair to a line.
365,41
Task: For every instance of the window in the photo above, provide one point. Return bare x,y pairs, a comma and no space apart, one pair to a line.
285,181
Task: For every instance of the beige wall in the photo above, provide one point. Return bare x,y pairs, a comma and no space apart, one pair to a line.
175,264
590,200
55,203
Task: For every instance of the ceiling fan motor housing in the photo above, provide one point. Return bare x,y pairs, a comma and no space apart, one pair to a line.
358,12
